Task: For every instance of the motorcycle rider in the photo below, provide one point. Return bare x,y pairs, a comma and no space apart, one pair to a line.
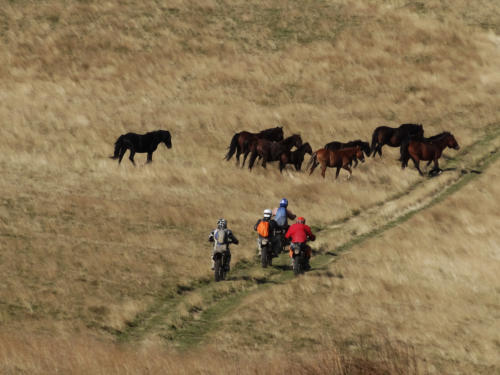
299,234
222,237
270,239
282,214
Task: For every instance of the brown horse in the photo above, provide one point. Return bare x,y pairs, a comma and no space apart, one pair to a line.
335,159
385,135
295,157
271,151
365,146
427,149
240,143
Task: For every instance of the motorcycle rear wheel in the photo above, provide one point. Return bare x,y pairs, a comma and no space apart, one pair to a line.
297,265
266,257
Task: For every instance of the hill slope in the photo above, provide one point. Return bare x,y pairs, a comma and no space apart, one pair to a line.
90,248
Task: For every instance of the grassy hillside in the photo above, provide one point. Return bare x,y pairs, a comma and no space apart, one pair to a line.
94,253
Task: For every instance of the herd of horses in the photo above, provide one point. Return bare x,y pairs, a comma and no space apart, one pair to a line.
270,145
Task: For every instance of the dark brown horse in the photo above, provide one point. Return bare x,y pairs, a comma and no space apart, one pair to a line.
385,135
271,151
427,149
295,157
241,142
365,146
140,143
335,159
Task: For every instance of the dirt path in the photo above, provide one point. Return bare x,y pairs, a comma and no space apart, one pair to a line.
184,318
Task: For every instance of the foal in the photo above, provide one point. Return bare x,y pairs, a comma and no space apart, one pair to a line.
295,157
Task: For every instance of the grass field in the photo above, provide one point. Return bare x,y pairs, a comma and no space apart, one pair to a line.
106,267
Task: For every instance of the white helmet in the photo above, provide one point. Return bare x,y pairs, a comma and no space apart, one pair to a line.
268,213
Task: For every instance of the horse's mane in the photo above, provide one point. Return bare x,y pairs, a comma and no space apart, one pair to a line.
159,131
438,136
271,130
410,125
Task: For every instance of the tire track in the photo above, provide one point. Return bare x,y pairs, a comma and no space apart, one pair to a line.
184,324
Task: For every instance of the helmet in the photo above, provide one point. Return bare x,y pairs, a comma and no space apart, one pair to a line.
301,220
284,202
268,213
221,224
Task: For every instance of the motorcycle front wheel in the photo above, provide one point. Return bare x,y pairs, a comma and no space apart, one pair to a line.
218,269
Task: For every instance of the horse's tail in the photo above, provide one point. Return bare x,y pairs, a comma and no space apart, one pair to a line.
403,150
118,146
232,146
312,163
374,142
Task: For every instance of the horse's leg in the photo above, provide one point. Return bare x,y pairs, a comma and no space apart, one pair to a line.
122,152
131,156
436,166
323,170
245,158
417,165
337,172
347,167
150,158
238,153
252,159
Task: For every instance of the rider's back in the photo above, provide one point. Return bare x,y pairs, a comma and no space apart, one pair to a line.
299,232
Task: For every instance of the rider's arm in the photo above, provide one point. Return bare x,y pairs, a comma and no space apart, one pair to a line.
211,236
309,233
256,224
232,238
290,214
289,232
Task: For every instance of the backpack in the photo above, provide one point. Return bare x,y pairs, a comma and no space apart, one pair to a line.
220,239
280,217
263,228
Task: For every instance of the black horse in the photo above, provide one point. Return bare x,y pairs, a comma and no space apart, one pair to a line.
140,143
385,135
365,147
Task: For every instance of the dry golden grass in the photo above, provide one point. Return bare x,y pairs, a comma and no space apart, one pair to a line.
431,283
87,245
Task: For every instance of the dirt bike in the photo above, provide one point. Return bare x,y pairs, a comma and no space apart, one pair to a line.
221,264
266,252
299,255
